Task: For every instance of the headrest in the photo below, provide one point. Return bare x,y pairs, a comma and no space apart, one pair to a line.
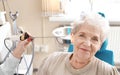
104,45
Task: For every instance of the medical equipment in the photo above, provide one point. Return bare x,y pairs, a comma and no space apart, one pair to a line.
21,37
62,34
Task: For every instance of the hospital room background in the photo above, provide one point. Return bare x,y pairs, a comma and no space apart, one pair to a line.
48,21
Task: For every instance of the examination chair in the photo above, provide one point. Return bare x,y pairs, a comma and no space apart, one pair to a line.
103,53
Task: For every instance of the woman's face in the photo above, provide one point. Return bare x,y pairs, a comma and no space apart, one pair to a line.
86,41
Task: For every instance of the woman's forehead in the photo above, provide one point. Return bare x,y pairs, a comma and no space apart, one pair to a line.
90,29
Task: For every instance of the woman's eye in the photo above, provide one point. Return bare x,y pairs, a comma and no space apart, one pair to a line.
81,35
95,39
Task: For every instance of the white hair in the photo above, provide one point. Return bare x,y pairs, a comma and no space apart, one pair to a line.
93,19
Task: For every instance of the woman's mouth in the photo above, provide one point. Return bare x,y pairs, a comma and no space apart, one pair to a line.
84,49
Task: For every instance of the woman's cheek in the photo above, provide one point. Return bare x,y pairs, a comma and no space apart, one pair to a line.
94,50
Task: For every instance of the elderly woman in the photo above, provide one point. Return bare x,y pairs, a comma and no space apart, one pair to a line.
87,36
8,67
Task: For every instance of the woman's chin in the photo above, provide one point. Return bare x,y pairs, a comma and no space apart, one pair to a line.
84,55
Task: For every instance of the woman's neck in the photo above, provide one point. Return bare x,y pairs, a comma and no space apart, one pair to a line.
78,63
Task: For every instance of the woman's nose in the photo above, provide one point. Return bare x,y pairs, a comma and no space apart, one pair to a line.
87,42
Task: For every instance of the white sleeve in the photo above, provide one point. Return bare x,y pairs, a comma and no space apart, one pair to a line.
9,66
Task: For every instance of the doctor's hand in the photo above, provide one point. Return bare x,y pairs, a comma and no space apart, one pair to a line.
20,48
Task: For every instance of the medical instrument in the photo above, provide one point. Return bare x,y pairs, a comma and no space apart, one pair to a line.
21,37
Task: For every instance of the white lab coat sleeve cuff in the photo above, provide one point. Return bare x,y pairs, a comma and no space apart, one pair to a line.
9,66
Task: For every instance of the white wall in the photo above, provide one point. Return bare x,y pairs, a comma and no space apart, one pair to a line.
114,42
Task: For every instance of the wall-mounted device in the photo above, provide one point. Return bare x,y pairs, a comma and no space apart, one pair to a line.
63,33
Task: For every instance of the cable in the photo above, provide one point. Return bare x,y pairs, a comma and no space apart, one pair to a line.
6,45
32,57
9,51
26,64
